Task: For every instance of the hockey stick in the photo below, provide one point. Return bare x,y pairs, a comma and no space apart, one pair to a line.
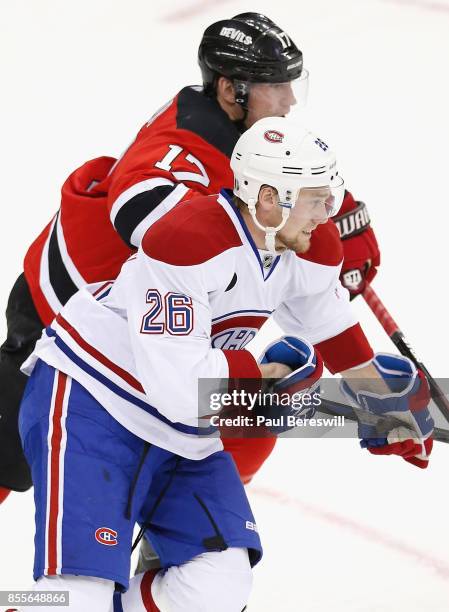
399,340
332,408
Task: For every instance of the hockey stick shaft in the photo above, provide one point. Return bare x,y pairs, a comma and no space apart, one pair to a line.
397,337
331,407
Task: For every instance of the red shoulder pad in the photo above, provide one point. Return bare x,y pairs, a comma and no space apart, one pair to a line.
193,232
325,247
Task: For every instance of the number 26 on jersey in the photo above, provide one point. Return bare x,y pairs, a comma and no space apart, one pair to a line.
172,313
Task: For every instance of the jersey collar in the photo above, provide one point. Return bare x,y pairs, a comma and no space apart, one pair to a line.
225,198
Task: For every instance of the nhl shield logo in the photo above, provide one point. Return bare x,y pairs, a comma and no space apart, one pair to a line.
267,261
273,136
106,536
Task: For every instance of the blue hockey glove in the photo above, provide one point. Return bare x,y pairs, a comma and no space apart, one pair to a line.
397,423
294,396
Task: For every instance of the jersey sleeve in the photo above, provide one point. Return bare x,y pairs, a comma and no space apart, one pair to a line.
164,166
326,319
169,318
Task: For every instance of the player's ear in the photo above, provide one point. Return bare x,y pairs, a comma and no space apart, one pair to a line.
225,90
268,198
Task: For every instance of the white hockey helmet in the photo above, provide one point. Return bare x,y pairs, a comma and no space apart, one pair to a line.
281,153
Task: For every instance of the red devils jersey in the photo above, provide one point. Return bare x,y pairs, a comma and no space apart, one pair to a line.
107,206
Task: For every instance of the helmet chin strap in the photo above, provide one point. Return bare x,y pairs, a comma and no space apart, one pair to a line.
270,232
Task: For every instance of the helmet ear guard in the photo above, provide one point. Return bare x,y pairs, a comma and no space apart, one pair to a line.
279,152
241,93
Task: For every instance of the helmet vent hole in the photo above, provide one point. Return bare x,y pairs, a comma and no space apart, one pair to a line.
291,170
318,170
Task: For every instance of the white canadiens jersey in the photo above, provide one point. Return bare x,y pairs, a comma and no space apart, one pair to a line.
182,309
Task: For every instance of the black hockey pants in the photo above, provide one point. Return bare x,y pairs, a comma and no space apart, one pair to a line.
24,329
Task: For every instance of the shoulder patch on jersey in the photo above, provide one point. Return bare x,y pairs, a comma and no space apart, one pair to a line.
205,118
191,233
325,247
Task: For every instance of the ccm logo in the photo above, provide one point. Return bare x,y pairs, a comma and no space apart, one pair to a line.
106,536
273,136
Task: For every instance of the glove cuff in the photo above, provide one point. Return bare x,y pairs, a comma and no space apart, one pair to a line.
353,222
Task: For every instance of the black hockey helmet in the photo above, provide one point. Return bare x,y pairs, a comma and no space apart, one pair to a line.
248,48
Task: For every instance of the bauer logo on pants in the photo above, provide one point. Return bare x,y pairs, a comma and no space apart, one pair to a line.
106,536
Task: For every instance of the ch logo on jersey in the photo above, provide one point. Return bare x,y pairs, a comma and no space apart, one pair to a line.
321,144
233,339
233,331
274,136
106,536
236,35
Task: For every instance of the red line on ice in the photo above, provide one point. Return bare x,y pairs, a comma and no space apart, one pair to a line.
424,6
193,9
364,531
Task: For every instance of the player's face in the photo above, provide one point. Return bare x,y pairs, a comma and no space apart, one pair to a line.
269,100
312,208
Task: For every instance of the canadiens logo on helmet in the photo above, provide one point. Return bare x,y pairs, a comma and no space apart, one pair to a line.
106,536
273,136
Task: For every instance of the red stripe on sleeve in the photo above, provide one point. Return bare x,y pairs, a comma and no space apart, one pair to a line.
347,350
242,364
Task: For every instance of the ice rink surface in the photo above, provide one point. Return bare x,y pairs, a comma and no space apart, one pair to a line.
343,531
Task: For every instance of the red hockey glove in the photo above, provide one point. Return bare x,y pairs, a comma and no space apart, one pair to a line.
410,434
361,251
